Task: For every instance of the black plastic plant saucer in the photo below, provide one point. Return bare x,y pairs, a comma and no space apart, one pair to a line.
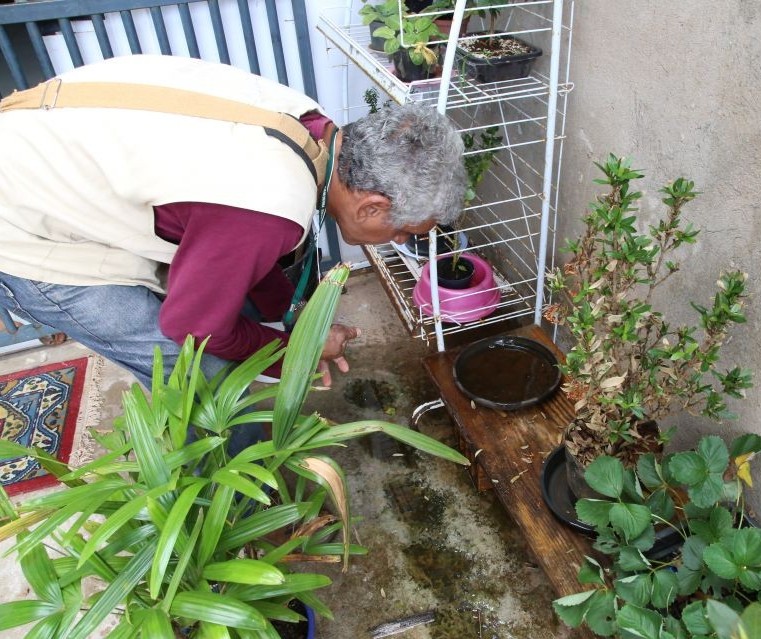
562,502
556,493
507,372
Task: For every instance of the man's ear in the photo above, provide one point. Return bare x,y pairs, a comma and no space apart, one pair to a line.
372,205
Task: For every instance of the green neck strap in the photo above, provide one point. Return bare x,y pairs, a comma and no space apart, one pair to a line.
306,269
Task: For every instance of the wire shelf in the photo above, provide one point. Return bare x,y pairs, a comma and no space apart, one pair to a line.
512,221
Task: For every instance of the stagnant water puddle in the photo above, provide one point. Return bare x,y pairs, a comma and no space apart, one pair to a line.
371,394
475,585
435,543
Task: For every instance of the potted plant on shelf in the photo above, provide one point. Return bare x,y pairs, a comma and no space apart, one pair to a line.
443,11
491,57
185,541
630,367
454,270
377,15
406,41
706,588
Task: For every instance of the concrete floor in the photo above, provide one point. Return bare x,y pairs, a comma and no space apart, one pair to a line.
435,543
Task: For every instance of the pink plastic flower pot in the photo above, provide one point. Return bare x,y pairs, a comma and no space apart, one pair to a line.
464,305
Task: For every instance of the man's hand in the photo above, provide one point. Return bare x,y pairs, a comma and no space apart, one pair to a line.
334,350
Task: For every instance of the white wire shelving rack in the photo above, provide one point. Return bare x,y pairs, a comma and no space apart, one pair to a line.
512,221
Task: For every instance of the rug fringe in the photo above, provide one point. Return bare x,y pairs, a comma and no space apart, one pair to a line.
90,414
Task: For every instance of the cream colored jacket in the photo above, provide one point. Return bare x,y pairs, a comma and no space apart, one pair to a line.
78,185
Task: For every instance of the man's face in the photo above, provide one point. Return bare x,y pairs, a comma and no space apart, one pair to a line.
377,229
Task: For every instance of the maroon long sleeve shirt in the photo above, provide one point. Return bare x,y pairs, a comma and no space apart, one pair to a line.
225,255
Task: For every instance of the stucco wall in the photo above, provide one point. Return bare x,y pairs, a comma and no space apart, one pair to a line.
677,86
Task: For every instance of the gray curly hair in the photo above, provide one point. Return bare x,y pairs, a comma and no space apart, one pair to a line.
412,154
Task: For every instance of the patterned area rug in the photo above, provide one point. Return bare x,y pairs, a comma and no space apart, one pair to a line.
43,407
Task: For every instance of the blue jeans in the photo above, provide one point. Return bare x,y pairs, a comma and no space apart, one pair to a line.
121,323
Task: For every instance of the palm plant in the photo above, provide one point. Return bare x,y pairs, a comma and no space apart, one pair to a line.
182,539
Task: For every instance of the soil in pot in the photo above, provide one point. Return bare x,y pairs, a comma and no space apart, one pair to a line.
584,445
299,630
455,274
498,58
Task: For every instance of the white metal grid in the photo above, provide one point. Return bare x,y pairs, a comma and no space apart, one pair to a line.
512,221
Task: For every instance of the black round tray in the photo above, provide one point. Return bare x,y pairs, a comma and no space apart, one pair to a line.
562,502
506,372
556,493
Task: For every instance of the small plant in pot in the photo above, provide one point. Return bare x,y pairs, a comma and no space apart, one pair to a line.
182,539
377,15
480,150
709,586
406,42
455,271
491,57
629,366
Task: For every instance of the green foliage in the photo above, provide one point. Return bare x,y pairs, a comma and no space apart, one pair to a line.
478,157
387,12
479,154
628,364
402,29
371,99
708,589
489,9
180,535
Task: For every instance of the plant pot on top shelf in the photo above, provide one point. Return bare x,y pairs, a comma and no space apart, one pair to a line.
406,41
444,24
376,43
378,15
444,18
407,69
496,58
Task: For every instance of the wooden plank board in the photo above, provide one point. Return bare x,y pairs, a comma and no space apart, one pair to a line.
512,448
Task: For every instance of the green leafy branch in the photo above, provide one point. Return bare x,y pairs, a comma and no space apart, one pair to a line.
628,364
709,588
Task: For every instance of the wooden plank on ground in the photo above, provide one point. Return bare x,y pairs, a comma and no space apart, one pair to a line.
513,445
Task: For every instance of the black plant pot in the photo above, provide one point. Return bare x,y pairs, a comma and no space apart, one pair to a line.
455,277
418,244
497,68
408,71
303,629
561,501
376,43
416,6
